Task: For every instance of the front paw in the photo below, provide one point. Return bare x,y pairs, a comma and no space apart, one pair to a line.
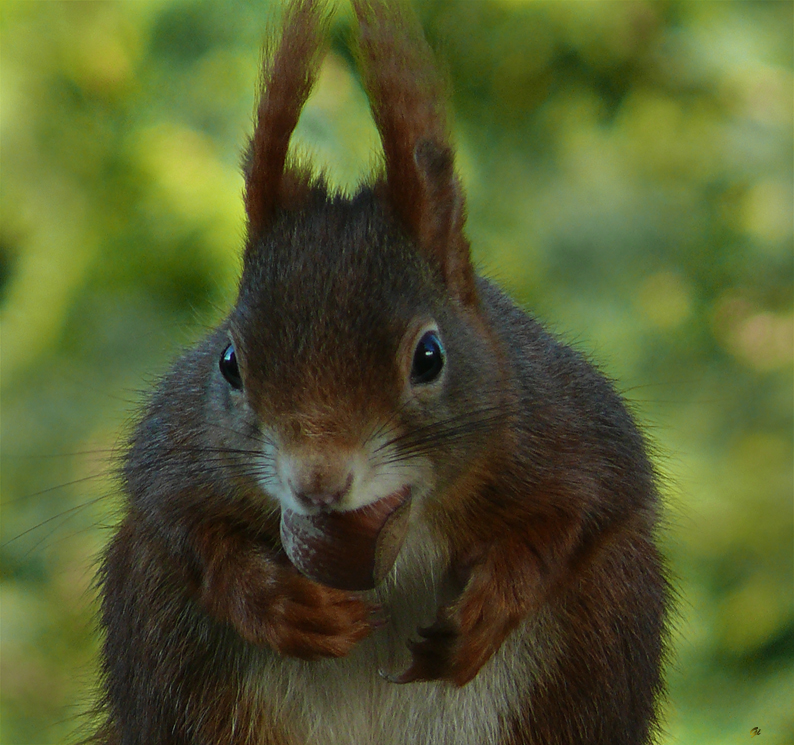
273,605
463,638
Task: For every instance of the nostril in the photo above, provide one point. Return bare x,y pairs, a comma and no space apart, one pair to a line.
318,499
322,498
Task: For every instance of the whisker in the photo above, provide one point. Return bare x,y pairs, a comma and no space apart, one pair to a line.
46,456
255,436
439,429
216,451
54,530
76,509
50,489
381,428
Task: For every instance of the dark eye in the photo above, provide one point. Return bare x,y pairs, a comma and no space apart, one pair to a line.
229,369
428,359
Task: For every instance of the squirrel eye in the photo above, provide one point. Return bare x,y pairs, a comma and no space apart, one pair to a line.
229,369
428,359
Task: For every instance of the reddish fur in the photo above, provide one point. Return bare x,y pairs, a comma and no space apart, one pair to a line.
289,73
545,504
407,100
268,602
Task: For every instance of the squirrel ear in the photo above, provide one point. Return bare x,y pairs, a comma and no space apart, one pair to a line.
289,71
406,96
439,224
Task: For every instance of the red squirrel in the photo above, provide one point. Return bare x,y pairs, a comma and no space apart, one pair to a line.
366,364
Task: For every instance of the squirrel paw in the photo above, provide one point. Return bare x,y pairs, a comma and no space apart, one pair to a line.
463,638
442,654
301,618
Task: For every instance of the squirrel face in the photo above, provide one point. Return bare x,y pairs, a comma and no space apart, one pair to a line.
359,352
344,354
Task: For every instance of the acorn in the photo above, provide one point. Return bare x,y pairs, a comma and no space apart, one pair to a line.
351,550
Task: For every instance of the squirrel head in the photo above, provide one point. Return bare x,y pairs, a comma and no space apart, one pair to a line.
356,342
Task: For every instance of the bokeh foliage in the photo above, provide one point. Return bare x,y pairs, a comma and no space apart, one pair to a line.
629,172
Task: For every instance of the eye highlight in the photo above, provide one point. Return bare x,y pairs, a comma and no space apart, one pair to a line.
229,369
429,358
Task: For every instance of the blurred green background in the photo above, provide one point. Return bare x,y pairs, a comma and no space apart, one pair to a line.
629,173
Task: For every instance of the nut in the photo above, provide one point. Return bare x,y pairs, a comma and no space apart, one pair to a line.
352,550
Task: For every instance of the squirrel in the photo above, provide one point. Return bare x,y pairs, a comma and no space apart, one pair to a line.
367,370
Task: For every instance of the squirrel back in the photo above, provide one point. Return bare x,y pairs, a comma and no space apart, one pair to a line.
378,447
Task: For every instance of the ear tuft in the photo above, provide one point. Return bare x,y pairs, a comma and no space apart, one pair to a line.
407,96
289,71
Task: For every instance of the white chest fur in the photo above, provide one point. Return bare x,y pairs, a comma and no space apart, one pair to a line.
346,701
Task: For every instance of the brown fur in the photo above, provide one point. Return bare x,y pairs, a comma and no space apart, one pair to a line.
535,506
288,75
407,100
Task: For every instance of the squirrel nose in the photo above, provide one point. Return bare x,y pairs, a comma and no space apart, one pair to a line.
320,492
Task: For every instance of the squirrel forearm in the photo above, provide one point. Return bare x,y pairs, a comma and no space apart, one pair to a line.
265,599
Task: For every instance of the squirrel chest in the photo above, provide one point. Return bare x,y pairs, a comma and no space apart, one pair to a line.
348,702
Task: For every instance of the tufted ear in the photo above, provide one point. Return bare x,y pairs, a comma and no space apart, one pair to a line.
289,71
407,100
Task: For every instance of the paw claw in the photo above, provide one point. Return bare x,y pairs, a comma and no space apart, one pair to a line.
388,677
408,676
378,617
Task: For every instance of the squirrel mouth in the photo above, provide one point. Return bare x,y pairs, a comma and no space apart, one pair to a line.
352,550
